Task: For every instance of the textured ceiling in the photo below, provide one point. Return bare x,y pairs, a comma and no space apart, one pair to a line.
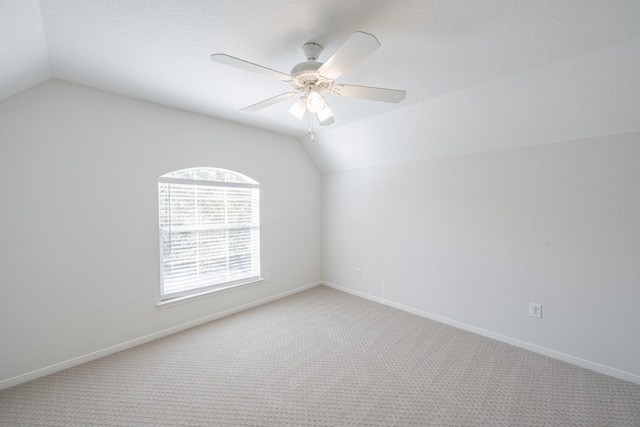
159,50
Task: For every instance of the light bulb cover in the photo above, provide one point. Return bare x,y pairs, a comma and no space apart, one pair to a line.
299,108
325,116
315,101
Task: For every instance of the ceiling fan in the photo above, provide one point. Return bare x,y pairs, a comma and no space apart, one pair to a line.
311,79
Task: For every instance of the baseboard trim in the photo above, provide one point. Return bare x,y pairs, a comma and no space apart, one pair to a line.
23,378
627,376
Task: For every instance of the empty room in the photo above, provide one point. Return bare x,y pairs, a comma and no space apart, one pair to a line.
420,212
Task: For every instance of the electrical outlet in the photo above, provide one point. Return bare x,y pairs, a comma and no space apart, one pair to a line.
267,277
535,310
358,272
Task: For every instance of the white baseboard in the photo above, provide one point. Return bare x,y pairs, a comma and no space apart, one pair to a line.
503,338
142,340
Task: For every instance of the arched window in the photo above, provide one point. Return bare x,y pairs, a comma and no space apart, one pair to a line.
209,231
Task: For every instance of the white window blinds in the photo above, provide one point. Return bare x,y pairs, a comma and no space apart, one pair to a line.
209,230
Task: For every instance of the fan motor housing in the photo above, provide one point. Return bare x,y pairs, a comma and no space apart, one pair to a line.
305,73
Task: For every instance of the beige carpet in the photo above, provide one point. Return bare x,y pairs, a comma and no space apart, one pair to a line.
323,357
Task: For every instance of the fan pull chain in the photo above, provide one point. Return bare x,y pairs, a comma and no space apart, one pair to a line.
310,126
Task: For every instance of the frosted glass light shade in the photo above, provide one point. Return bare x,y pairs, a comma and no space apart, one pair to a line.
325,116
315,101
299,108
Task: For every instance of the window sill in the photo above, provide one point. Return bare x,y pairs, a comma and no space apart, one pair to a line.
180,300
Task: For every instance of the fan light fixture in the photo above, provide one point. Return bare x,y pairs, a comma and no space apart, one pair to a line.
325,116
315,101
299,108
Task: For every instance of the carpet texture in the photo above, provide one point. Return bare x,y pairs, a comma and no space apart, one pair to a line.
323,358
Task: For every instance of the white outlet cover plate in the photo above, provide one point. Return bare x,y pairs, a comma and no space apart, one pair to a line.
535,310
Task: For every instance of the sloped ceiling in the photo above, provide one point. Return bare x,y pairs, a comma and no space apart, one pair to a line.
23,47
159,50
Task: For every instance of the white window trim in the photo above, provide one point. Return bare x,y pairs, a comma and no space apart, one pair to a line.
188,298
220,287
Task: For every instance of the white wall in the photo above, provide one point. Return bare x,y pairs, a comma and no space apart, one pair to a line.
472,239
79,267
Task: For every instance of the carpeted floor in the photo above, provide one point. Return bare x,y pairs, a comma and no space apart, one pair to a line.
323,357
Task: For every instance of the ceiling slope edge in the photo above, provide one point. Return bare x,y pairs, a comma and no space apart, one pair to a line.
591,95
24,47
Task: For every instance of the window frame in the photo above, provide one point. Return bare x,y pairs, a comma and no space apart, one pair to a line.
197,284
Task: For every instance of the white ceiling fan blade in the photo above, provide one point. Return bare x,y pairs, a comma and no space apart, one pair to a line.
366,92
249,66
325,116
268,102
359,46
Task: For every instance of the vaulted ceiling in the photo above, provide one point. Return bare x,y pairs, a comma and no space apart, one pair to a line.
159,51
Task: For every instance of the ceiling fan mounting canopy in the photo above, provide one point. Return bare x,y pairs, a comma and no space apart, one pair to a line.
312,77
306,73
312,51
